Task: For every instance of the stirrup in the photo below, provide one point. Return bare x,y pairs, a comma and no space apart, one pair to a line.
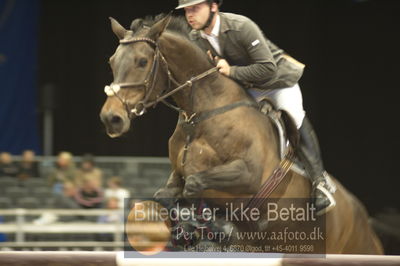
332,202
327,188
325,181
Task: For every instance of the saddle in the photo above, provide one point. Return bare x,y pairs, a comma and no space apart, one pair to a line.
286,129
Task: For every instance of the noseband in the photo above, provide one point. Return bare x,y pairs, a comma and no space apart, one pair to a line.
150,80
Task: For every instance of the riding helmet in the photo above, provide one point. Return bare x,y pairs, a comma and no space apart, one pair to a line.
185,3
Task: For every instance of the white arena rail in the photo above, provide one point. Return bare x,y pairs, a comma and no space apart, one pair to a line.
21,227
117,259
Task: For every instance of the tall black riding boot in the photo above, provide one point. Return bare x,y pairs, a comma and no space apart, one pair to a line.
310,155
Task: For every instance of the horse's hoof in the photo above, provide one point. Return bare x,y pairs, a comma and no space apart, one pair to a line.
167,193
190,194
161,193
193,187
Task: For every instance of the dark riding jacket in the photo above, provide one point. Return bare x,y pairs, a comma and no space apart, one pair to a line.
255,61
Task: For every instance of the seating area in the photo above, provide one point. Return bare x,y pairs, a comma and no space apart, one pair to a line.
24,203
36,193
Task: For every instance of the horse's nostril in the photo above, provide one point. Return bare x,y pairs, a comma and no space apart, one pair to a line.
115,119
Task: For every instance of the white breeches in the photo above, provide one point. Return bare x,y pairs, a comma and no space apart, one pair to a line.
288,99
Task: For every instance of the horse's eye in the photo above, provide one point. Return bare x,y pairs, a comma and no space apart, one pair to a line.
142,62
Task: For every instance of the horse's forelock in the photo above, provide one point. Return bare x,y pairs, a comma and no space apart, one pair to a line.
136,25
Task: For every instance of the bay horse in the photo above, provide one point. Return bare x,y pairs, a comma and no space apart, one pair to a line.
222,146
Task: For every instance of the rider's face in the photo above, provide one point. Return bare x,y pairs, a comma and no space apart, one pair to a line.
197,15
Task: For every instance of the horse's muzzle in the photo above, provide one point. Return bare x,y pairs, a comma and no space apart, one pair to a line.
115,124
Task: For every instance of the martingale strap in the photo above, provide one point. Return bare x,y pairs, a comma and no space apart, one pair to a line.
190,122
273,181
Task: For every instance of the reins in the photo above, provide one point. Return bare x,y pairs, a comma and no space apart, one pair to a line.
141,107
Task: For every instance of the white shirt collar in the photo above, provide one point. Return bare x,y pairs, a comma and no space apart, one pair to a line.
215,30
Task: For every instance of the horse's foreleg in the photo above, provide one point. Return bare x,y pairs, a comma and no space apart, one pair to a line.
234,176
172,190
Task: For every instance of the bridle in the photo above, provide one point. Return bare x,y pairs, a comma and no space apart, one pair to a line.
150,80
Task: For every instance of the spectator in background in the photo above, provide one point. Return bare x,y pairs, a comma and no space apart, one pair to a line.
64,171
28,167
3,236
64,201
7,166
111,204
115,190
89,196
67,199
88,170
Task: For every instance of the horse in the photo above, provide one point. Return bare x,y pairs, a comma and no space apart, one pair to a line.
223,146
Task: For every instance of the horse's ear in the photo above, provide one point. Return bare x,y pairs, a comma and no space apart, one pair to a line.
117,28
158,28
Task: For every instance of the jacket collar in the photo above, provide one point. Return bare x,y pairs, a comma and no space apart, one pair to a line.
224,23
225,26
216,30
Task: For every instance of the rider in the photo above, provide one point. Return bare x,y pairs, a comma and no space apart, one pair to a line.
244,54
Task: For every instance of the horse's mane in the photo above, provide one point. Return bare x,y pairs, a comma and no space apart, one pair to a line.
177,24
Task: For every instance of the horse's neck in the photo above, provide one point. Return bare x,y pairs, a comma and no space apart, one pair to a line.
186,61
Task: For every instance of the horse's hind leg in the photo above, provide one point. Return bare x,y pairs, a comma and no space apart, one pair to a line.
234,177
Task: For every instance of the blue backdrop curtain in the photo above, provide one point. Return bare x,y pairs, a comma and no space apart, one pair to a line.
18,63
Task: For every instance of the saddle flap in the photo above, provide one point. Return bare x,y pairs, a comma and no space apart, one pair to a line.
284,124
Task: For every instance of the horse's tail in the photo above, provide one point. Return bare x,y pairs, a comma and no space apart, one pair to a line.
385,224
369,237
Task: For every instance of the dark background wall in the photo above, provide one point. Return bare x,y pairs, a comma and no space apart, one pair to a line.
19,25
349,86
